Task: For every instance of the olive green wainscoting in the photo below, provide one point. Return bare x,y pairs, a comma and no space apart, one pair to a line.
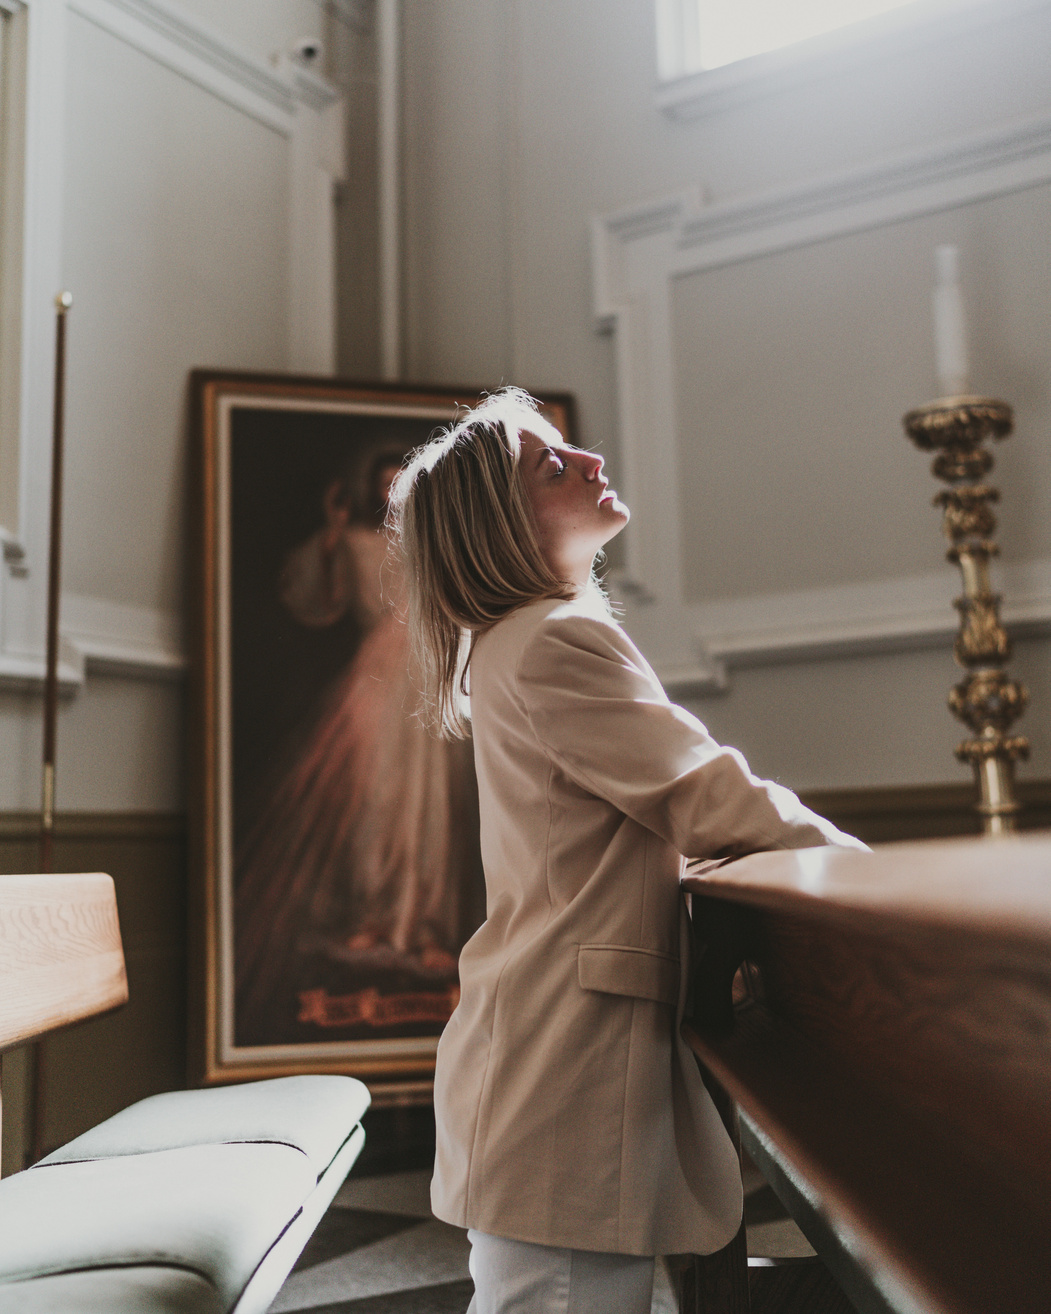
98,1067
912,812
95,1068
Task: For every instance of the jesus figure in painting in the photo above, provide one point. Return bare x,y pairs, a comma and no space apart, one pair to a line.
348,889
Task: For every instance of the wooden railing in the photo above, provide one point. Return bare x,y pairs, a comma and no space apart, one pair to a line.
889,1052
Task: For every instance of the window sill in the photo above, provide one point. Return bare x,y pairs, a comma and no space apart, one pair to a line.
697,95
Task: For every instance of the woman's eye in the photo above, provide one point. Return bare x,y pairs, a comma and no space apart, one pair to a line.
560,465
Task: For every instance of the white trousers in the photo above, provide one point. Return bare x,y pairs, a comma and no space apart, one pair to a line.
517,1277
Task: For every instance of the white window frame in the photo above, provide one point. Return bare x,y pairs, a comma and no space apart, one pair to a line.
685,91
13,56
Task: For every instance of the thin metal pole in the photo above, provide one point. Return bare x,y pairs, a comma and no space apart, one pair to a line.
54,584
63,302
388,43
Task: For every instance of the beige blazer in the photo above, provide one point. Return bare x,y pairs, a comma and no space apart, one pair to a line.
569,1111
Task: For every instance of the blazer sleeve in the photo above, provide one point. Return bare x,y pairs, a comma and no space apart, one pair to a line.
601,716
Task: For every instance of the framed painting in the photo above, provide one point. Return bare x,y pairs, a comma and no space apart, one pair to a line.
334,840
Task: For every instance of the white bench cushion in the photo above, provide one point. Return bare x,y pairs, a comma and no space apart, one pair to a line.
315,1114
213,1210
141,1289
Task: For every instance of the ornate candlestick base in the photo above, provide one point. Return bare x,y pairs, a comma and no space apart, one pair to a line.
988,701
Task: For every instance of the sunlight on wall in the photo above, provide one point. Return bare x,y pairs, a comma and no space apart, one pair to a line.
729,30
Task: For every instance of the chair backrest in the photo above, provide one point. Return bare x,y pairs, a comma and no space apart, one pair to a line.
60,953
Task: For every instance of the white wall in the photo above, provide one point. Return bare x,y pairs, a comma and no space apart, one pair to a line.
798,367
790,371
171,161
175,229
523,119
462,165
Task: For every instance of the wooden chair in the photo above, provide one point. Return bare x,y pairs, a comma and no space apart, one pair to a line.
891,1062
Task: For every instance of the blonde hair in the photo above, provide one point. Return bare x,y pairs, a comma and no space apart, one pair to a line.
461,523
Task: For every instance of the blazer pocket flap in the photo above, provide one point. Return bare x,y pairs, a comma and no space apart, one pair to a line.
617,969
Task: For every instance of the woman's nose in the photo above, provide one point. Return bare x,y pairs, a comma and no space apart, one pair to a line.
593,464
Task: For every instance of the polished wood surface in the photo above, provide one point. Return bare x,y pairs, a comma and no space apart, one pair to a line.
1003,883
892,1045
60,953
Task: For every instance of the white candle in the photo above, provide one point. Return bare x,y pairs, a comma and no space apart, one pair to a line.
950,336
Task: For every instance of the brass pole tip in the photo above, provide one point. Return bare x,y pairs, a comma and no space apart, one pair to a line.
63,302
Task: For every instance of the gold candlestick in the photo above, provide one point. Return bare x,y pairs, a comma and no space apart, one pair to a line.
988,701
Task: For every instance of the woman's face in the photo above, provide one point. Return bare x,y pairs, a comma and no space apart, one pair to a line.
574,509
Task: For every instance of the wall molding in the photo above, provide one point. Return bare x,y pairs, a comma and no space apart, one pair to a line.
891,615
707,236
186,45
99,637
850,620
637,252
129,827
117,639
960,172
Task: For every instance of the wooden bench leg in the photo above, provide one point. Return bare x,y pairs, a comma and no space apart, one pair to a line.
728,1282
718,1283
795,1286
712,1284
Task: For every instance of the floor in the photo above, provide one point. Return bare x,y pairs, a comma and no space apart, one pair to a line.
379,1250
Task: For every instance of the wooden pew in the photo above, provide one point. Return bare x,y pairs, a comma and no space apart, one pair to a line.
198,1201
61,959
889,1052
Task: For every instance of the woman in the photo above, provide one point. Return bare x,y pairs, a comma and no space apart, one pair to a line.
575,1138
